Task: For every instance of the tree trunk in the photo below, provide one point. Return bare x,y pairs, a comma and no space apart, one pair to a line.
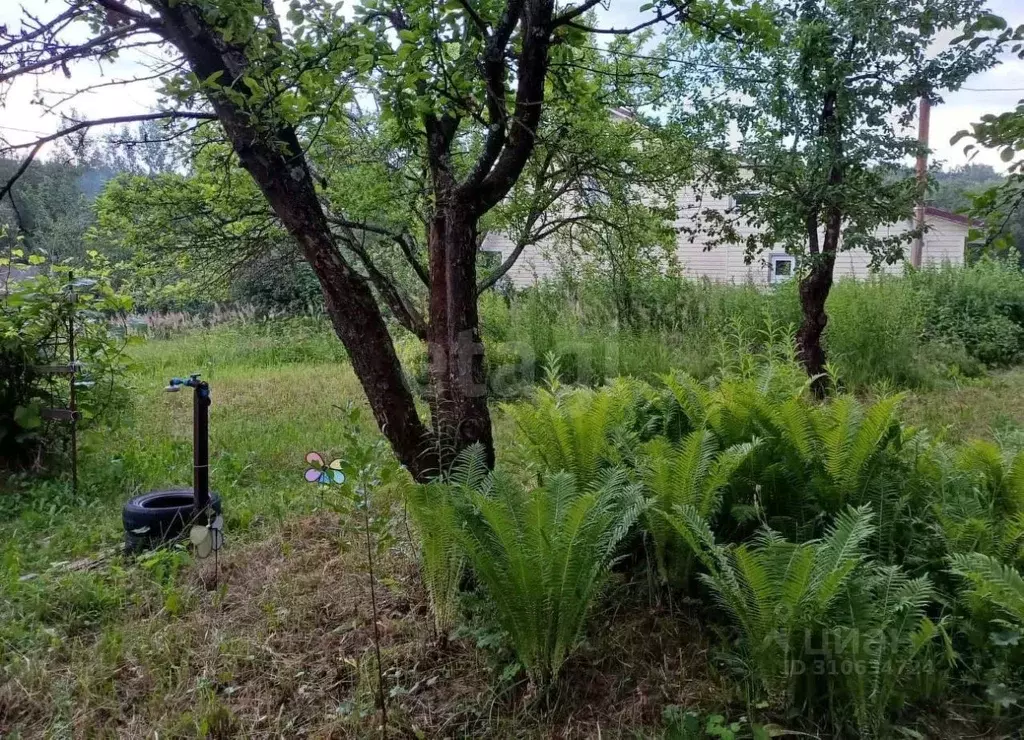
276,162
816,285
458,381
814,290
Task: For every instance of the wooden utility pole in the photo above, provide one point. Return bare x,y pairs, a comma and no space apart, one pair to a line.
923,121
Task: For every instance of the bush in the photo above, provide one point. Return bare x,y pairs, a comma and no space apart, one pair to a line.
980,308
890,331
34,321
285,285
875,333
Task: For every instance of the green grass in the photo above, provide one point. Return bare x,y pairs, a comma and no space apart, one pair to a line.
267,413
991,407
270,407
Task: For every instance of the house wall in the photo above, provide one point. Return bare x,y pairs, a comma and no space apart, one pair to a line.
943,243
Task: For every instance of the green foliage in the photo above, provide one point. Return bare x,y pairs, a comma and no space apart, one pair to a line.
810,459
778,593
876,333
692,473
1003,203
580,432
819,610
36,313
883,650
543,554
817,140
432,508
993,581
683,725
980,308
978,499
890,332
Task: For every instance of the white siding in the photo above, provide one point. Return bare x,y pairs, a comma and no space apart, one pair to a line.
943,243
534,264
721,263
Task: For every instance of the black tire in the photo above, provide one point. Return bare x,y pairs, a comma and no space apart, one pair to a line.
157,517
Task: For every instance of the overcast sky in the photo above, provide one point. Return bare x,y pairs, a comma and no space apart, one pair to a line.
994,91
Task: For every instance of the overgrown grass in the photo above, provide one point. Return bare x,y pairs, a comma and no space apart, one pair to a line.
898,332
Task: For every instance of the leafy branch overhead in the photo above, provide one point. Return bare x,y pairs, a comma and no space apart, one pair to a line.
998,205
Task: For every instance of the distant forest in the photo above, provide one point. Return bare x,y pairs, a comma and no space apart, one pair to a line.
52,206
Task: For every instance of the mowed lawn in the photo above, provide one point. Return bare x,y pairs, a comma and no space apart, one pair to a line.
272,641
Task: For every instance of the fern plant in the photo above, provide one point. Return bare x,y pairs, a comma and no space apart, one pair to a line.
881,655
978,500
578,432
692,473
827,457
995,603
779,594
543,554
994,582
435,517
814,460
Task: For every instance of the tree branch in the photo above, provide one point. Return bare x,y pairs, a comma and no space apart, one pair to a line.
38,144
119,7
93,46
402,240
479,22
571,13
659,18
517,147
400,306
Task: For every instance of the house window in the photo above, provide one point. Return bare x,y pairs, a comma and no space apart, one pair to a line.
781,267
744,198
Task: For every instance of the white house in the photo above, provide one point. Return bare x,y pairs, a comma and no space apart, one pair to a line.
944,242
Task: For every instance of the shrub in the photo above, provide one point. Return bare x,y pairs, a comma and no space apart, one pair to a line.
34,324
811,459
875,333
992,581
286,285
433,511
979,307
994,622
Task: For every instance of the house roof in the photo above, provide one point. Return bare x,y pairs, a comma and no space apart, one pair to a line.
947,215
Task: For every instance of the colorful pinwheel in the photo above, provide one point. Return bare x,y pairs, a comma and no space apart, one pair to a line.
321,472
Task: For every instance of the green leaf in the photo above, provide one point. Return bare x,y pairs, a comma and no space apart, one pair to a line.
28,417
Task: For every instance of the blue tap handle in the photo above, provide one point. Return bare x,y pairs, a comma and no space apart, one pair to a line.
176,384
